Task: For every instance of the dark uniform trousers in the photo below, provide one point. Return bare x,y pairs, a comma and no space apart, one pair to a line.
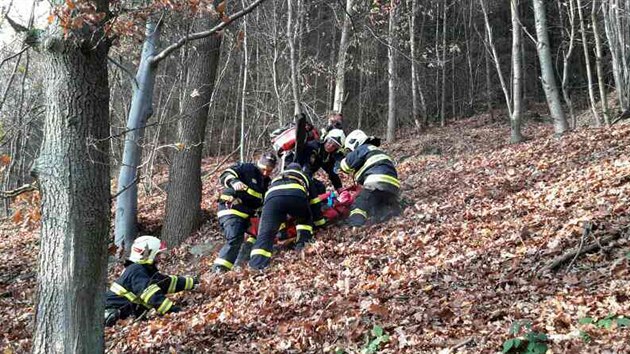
234,225
235,210
375,170
377,205
274,213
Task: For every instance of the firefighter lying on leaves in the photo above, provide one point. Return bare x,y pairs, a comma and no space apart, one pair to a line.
245,185
141,286
289,194
373,169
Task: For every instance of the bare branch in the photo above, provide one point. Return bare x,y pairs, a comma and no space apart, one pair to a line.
16,26
124,69
203,34
134,182
15,192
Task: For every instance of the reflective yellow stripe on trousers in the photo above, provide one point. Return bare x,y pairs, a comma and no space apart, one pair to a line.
260,252
359,211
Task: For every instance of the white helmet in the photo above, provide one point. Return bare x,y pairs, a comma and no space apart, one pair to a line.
355,139
145,248
336,135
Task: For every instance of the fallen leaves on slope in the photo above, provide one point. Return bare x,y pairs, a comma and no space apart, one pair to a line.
460,266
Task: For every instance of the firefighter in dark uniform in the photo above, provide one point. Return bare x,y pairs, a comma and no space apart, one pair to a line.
289,194
375,171
323,155
141,287
245,185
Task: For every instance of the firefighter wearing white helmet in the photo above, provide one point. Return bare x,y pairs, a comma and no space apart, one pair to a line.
141,287
376,172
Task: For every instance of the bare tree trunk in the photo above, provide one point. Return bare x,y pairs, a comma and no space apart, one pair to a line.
489,86
615,43
183,203
125,228
598,64
244,91
495,57
587,62
412,8
291,35
467,39
548,79
517,75
344,44
566,57
73,174
391,70
274,67
443,65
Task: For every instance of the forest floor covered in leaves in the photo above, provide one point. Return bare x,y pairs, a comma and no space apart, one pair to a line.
468,260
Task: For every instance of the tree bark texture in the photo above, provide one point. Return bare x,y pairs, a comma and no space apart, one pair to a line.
183,203
549,83
73,174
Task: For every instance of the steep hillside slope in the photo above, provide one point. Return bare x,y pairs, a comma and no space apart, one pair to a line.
466,261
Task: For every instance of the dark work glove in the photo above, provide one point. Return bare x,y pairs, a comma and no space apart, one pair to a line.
374,141
174,309
195,280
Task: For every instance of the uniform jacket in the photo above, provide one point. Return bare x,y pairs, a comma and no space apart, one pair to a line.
142,286
372,168
250,199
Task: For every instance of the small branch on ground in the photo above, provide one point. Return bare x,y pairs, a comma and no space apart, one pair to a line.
594,246
459,345
587,227
15,192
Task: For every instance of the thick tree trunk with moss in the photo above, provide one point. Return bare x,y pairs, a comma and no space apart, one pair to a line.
183,203
73,174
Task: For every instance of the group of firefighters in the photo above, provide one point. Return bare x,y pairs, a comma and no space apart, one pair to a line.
247,189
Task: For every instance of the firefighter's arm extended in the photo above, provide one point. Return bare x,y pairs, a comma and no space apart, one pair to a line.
334,178
151,294
171,284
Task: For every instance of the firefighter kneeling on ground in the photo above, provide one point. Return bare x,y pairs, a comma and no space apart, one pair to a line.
141,287
289,194
245,185
375,170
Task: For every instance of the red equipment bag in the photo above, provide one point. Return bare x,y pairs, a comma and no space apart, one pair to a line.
284,139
